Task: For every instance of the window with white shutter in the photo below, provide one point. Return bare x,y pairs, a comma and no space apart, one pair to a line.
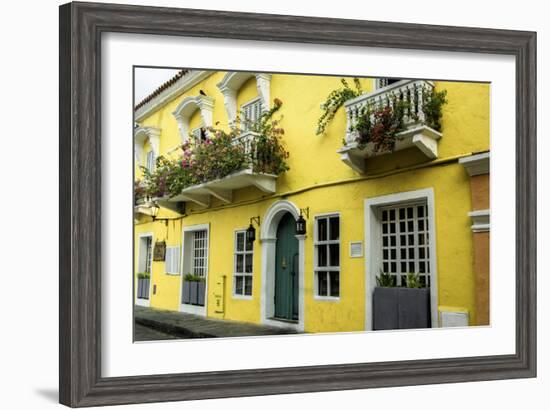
172,260
150,165
251,113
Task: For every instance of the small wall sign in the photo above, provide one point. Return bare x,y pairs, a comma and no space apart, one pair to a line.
159,253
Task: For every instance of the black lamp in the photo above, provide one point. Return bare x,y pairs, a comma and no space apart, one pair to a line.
154,207
251,231
301,222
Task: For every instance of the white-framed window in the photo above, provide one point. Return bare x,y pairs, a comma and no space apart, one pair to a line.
147,256
172,260
327,256
197,133
405,242
150,161
251,112
384,82
243,265
199,253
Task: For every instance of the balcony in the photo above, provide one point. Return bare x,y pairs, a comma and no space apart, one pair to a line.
416,132
142,206
256,161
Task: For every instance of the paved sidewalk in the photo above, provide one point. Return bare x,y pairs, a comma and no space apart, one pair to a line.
185,325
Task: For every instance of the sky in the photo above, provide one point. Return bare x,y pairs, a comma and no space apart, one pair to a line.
148,80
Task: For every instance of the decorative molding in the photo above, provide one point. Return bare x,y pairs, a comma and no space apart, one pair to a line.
187,107
231,84
477,164
480,220
187,81
143,134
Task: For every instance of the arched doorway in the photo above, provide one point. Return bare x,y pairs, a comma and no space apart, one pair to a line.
282,294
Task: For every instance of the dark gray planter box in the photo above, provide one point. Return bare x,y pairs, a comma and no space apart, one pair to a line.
401,308
186,293
194,297
193,293
202,289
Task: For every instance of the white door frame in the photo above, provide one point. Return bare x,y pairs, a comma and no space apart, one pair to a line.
372,253
268,239
196,310
144,302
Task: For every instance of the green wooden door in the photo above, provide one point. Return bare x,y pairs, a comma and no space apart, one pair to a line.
286,270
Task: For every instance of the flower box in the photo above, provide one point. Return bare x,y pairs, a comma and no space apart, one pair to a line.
193,293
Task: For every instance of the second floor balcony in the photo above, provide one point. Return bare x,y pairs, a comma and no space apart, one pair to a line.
407,106
217,166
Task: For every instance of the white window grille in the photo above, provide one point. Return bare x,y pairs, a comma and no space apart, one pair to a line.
327,256
172,260
244,255
251,112
199,253
406,242
148,253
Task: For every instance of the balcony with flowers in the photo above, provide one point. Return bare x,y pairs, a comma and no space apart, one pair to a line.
405,114
219,162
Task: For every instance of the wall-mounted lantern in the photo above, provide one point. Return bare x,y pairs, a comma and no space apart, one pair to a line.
251,231
301,222
154,210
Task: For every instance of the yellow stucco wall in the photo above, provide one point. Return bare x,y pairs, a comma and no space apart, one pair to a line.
313,160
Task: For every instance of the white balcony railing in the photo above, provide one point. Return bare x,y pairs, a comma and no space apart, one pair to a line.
223,188
417,133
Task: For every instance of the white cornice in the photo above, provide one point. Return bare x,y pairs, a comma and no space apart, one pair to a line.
477,164
187,81
480,220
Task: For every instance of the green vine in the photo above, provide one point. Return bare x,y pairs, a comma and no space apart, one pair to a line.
334,101
431,107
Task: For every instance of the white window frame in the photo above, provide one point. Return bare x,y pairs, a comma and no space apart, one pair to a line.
236,274
327,268
169,260
147,262
257,102
202,268
416,260
196,132
187,240
373,248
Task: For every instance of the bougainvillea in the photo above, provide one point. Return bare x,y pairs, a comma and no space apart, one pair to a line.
220,153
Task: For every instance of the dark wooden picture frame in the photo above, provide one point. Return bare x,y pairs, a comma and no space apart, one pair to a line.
81,27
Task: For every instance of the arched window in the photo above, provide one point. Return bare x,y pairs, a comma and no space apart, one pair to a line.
141,136
231,84
187,107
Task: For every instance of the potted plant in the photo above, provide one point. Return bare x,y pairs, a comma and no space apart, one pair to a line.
400,307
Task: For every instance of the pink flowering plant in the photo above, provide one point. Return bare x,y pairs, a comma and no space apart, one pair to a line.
218,153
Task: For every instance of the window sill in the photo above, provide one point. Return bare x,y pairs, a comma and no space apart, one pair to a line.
327,298
242,297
